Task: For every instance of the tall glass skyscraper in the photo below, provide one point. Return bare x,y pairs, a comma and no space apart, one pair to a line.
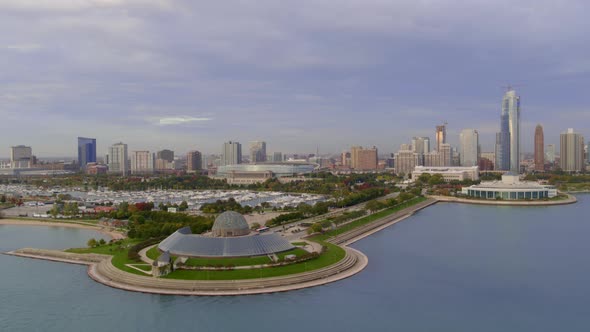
508,139
86,151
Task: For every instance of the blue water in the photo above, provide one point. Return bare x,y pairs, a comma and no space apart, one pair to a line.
449,268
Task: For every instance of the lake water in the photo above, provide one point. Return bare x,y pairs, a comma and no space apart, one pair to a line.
449,268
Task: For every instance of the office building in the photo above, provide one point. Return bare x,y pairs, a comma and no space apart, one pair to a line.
345,159
194,161
550,153
231,153
167,155
469,143
508,139
21,156
142,162
441,136
257,152
117,159
405,161
277,157
571,151
86,151
539,149
421,146
363,159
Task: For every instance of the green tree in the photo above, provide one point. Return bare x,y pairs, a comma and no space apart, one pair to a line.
374,205
102,242
183,206
92,243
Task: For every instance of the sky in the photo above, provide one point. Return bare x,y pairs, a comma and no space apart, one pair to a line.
299,75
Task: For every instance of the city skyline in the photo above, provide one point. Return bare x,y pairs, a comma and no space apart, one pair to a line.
293,81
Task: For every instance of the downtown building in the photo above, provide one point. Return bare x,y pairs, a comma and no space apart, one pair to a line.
142,162
508,139
405,160
117,159
231,153
363,159
571,151
539,149
164,160
469,143
86,151
257,152
194,161
21,156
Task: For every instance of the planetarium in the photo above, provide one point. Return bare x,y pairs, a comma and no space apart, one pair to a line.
230,237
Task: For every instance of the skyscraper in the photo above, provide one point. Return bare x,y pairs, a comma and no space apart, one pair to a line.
550,153
421,146
257,151
363,159
469,153
193,161
277,157
142,162
21,156
231,153
539,149
86,151
508,139
165,154
441,136
117,159
571,151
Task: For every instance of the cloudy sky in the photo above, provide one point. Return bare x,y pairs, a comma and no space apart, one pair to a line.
191,74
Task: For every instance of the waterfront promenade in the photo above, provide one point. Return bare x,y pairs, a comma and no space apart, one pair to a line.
449,199
102,270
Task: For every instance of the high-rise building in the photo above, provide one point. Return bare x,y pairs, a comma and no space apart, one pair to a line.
142,162
571,155
469,142
508,139
511,103
167,155
231,153
405,161
421,146
345,159
117,159
539,149
194,161
257,151
550,153
86,151
441,136
363,159
277,157
21,156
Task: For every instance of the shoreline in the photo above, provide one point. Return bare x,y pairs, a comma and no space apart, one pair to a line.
354,262
101,229
449,199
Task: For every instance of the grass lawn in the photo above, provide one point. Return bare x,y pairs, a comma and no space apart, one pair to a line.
371,218
332,255
153,253
119,253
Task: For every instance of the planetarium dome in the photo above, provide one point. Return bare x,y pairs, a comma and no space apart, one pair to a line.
229,224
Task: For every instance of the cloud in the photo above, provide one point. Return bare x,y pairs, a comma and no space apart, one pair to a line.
25,48
171,121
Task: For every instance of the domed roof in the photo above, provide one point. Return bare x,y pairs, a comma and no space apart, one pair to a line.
230,223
